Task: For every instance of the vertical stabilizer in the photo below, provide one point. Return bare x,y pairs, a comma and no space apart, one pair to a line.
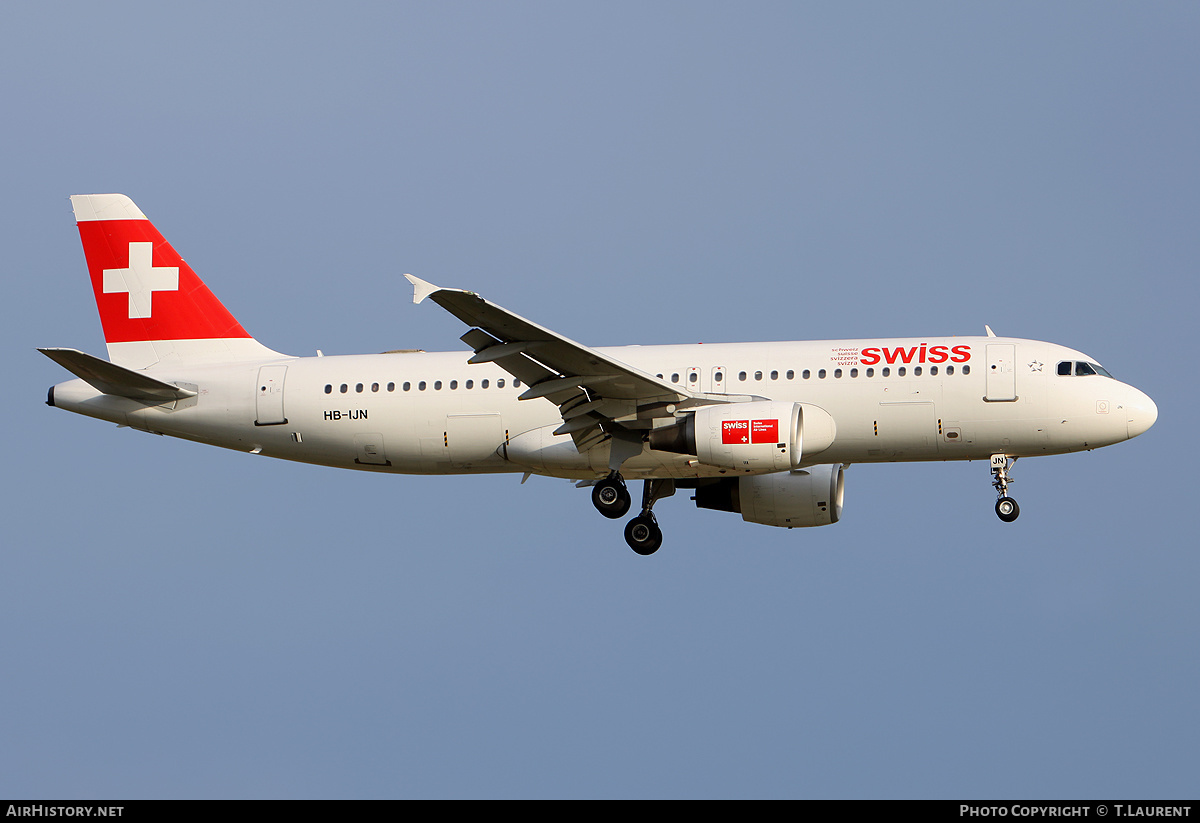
152,305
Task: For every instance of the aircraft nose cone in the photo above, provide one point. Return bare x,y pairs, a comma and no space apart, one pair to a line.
1141,413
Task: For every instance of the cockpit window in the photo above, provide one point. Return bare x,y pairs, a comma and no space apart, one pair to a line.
1081,369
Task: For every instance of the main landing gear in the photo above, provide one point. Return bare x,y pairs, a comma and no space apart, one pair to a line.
1006,508
610,497
612,500
642,532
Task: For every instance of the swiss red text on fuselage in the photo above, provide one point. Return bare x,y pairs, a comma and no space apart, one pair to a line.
914,354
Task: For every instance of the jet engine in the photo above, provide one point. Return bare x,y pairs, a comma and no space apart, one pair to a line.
807,497
761,436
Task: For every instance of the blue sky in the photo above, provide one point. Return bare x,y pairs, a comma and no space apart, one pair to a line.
187,622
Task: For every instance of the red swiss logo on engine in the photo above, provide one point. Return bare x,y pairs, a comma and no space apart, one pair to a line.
734,432
737,432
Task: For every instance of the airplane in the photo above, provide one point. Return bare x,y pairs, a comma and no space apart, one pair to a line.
764,430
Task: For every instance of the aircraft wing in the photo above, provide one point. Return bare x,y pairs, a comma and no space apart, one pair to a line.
597,395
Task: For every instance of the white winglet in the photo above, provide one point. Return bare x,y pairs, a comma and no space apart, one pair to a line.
421,288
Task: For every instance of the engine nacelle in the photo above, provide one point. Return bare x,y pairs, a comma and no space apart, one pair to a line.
761,436
808,497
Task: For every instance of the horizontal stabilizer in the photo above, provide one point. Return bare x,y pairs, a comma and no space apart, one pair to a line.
116,380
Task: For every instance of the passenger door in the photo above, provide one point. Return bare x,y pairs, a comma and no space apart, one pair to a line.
268,404
1001,372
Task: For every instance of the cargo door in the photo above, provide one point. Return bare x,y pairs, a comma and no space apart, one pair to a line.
473,438
907,429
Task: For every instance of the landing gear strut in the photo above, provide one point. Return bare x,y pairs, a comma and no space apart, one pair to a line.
642,532
1006,508
610,497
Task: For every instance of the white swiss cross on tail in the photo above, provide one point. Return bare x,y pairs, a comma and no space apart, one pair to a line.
141,279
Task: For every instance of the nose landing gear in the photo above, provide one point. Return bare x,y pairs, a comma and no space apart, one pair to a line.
1006,508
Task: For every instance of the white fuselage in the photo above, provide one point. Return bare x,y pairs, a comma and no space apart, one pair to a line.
958,398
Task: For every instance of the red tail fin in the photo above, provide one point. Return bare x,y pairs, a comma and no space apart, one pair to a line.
152,305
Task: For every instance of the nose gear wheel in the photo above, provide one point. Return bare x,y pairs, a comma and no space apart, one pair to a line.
1006,508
